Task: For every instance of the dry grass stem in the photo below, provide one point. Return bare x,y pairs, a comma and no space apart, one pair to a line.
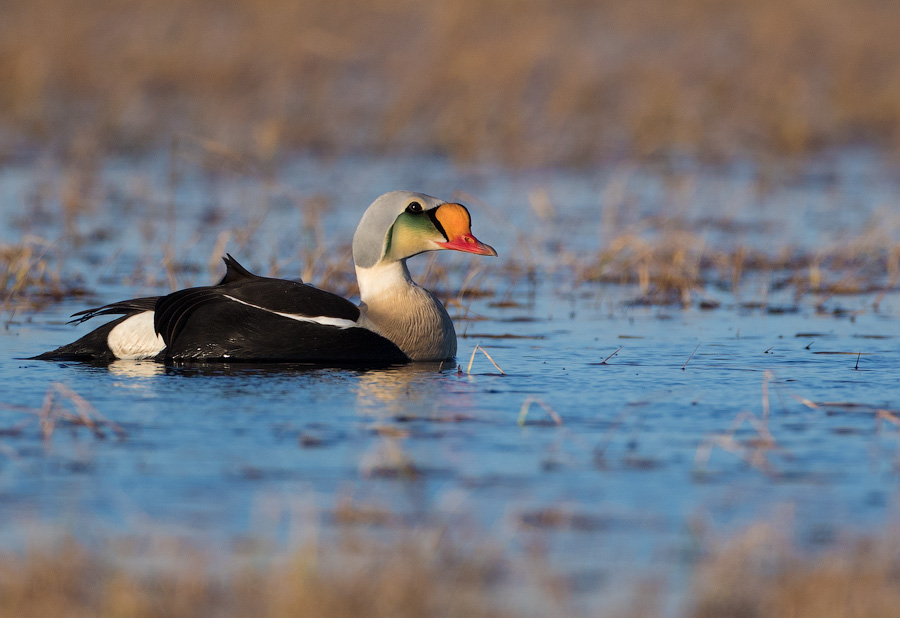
526,406
751,451
611,355
684,366
84,415
488,356
768,376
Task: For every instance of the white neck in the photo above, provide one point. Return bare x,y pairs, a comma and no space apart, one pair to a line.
381,279
407,314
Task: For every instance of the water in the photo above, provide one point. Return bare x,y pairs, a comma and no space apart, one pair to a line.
619,489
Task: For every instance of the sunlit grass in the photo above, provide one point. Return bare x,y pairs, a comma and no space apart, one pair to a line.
30,277
648,260
760,574
534,82
757,573
418,576
670,265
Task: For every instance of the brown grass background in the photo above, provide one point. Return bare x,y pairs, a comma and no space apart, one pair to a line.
755,574
532,82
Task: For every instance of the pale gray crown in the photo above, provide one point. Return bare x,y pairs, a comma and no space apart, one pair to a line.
371,233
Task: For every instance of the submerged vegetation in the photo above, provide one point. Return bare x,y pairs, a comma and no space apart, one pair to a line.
536,82
651,259
30,277
677,266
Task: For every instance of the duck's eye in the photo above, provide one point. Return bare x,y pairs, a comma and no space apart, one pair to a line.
414,207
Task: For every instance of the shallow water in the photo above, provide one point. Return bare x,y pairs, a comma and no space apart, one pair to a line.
621,487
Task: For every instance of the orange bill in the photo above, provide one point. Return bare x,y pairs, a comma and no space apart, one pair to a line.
456,224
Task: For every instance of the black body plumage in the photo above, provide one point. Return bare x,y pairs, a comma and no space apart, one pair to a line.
238,320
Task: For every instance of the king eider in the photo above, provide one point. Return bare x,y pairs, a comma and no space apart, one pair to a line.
246,317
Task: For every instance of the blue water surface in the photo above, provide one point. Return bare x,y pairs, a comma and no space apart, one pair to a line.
613,466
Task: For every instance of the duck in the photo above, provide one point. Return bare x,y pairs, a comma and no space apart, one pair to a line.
250,318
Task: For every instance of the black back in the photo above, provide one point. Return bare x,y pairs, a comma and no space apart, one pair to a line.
229,331
237,320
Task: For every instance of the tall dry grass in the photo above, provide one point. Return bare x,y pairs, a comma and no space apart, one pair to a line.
415,577
755,574
30,277
672,265
530,81
759,575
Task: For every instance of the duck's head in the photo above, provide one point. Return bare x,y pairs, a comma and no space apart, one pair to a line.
401,224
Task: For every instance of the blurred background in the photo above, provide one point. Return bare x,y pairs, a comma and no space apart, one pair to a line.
522,82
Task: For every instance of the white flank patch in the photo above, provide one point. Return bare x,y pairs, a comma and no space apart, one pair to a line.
319,319
135,338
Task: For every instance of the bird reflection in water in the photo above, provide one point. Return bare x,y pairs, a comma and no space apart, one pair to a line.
398,392
136,369
401,392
